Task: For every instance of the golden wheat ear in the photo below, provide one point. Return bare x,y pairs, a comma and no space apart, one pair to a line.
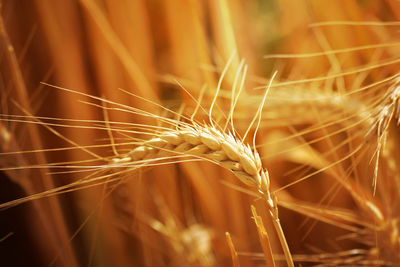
212,144
208,143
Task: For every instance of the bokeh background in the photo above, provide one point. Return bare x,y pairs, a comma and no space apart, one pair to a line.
177,215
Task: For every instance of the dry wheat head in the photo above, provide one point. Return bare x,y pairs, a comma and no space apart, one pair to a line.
208,143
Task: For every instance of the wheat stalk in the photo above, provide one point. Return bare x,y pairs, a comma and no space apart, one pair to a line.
224,149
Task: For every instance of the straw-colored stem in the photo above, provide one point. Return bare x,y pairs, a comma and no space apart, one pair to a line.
280,233
264,239
211,144
234,255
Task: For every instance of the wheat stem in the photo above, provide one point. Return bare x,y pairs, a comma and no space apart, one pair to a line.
234,254
224,149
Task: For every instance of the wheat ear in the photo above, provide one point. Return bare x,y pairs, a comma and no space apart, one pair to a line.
224,149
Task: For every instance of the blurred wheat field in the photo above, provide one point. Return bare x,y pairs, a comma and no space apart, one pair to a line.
312,87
